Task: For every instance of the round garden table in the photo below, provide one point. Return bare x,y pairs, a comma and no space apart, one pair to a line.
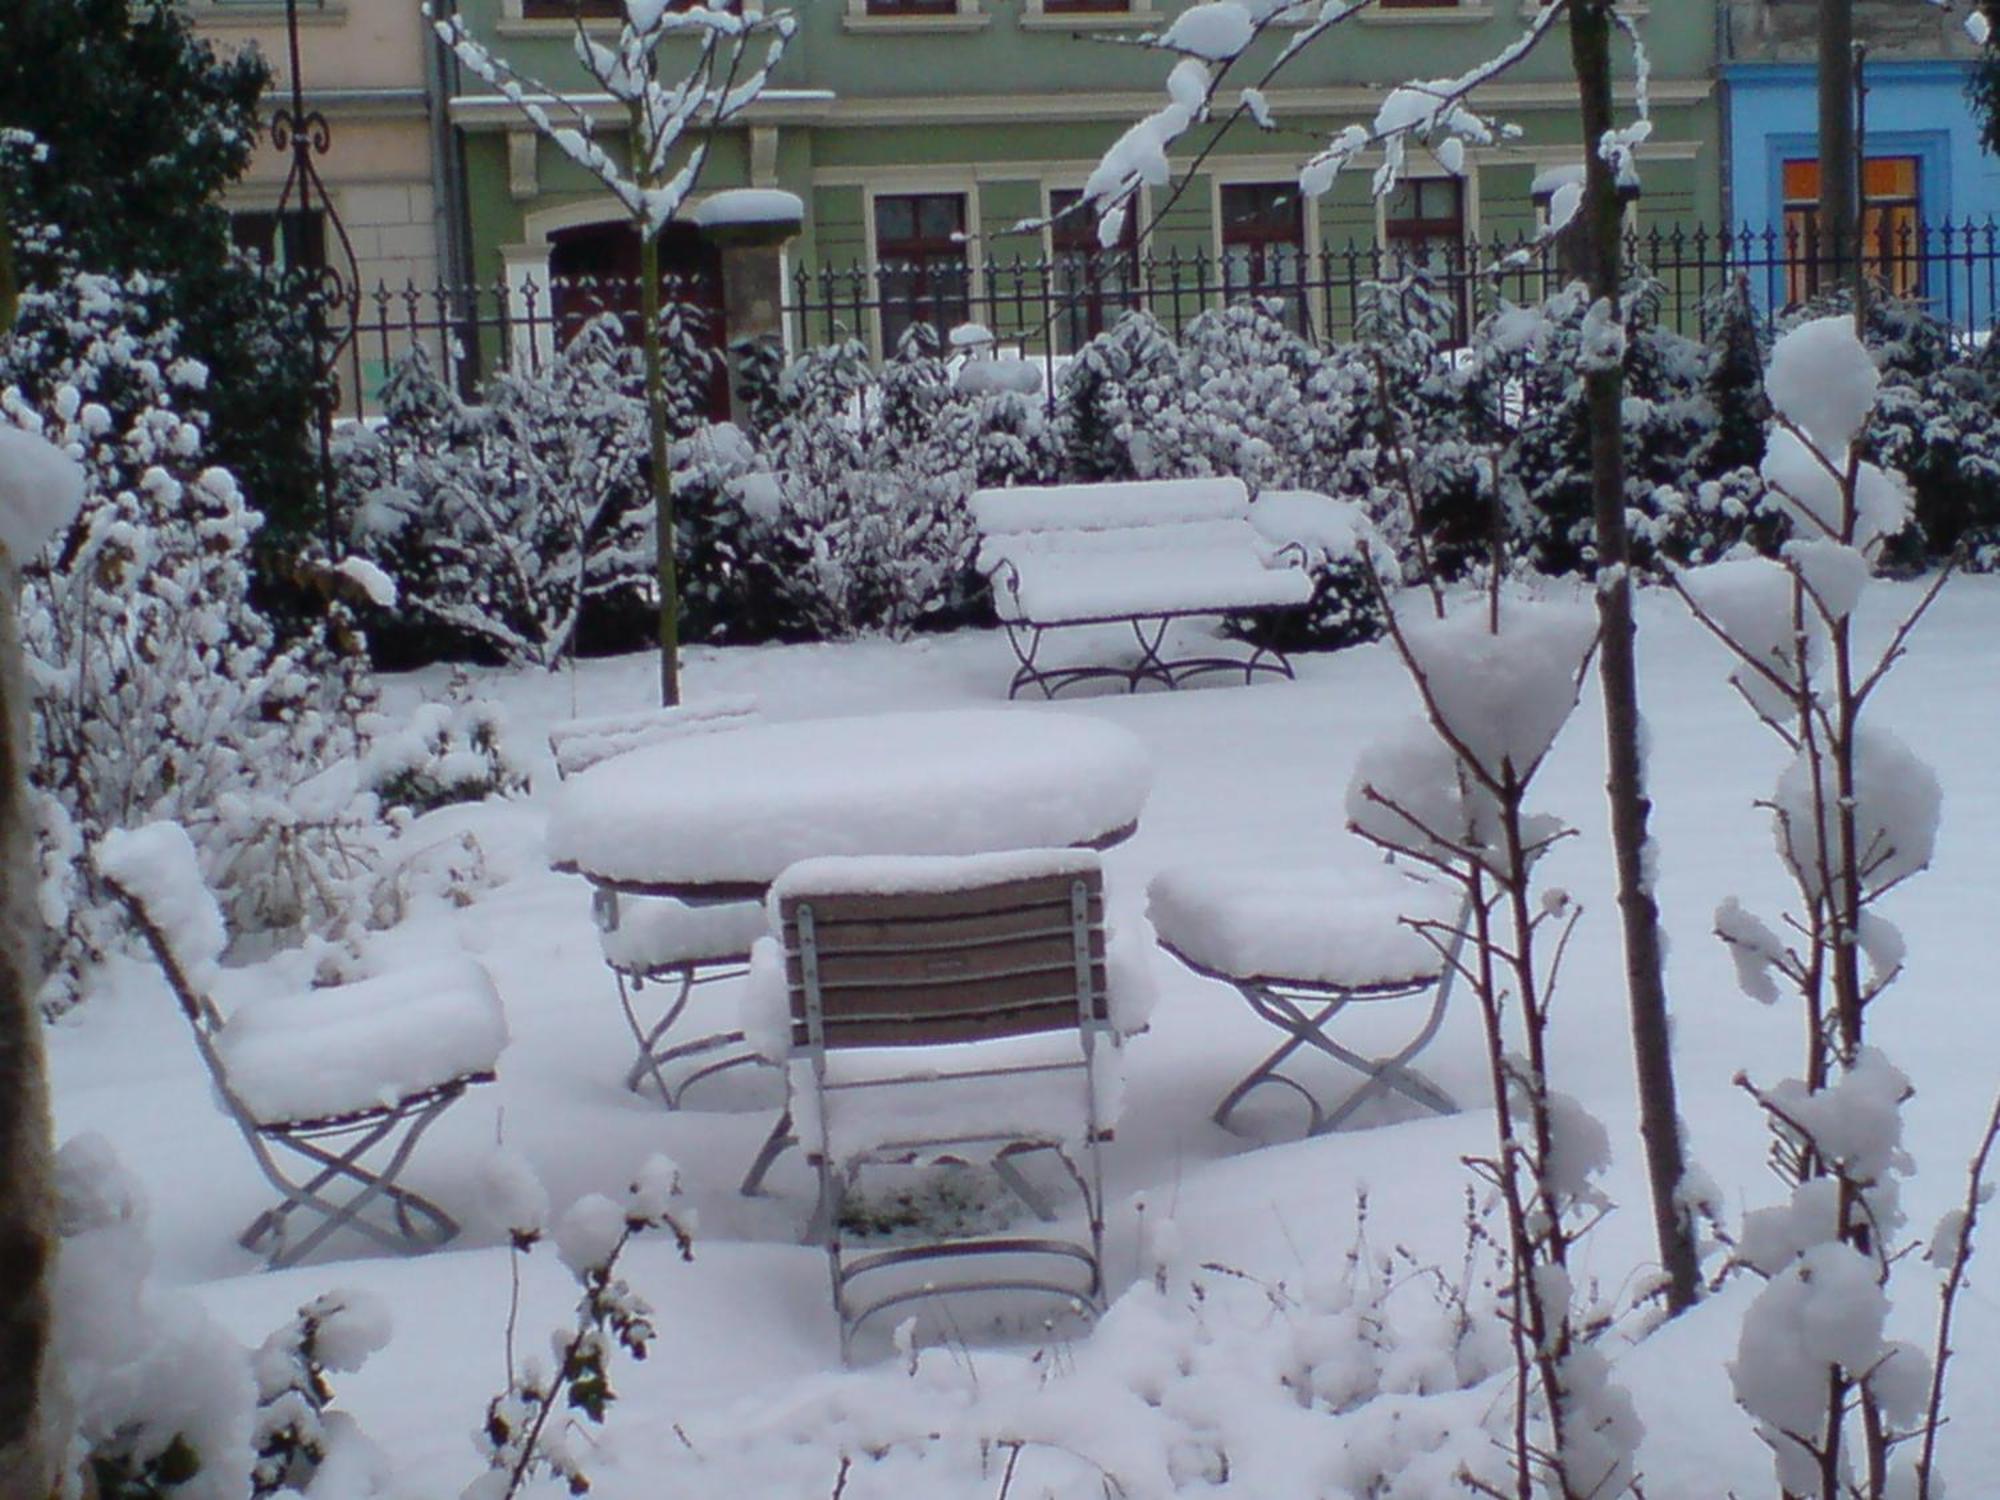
718,817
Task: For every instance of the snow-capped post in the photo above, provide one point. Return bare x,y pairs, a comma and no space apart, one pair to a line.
1452,795
1856,815
41,490
669,122
1210,40
748,225
1607,167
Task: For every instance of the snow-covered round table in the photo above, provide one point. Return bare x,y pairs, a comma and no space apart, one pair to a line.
719,817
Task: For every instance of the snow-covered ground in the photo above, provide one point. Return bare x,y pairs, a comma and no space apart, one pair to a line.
744,1394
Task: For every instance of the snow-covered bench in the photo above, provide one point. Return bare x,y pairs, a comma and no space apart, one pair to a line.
1145,553
1301,946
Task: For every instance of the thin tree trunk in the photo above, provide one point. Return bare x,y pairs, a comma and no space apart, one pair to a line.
1645,968
663,479
1839,214
33,1422
31,1443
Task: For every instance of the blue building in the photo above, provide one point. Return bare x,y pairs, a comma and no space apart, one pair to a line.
1931,195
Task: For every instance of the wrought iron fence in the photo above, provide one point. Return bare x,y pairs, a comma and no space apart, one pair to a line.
1047,307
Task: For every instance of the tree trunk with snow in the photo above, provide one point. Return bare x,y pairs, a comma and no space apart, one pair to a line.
31,1436
31,1441
1625,782
660,473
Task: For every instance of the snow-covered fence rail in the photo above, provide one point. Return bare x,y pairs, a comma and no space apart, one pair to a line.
1050,305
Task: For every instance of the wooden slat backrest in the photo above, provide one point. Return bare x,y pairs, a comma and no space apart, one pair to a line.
921,968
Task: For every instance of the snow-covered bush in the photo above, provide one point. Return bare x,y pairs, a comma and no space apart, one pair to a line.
518,1437
447,752
1668,420
160,690
841,509
167,1404
1856,814
1937,422
502,521
1240,394
1497,685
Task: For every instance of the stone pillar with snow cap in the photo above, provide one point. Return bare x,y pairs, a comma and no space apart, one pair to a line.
41,490
750,226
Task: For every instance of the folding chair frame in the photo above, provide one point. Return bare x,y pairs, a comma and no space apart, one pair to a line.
335,1148
1305,1011
893,934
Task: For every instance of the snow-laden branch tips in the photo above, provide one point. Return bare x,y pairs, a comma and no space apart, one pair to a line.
720,80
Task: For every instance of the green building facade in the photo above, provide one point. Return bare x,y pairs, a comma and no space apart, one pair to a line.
919,134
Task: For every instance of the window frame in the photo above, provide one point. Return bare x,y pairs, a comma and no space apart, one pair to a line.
1077,237
1261,242
931,251
1899,269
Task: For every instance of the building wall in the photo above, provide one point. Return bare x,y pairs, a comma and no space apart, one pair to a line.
1003,104
365,68
1915,69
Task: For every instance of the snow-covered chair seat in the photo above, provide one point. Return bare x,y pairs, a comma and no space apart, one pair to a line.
580,744
1301,945
1146,553
652,939
348,1078
962,1009
656,939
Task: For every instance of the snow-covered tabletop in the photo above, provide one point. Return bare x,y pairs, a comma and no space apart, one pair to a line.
719,816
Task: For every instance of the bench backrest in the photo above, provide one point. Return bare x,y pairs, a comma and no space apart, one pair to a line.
924,967
1145,503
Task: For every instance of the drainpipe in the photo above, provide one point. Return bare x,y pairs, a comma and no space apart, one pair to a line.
451,207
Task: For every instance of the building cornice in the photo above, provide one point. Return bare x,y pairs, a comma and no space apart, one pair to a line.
476,112
487,112
1128,105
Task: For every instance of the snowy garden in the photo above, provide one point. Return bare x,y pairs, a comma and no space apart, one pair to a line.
1286,1315
359,820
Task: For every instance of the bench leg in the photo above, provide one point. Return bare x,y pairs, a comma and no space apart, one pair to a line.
1027,672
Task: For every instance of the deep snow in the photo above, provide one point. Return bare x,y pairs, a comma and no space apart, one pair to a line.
743,1394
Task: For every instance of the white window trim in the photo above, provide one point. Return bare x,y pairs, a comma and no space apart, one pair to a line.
1254,170
963,182
1464,13
1470,177
1636,9
1137,15
512,23
967,17
222,14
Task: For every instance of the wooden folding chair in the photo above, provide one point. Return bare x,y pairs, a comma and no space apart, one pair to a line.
1305,949
950,1010
656,940
346,1079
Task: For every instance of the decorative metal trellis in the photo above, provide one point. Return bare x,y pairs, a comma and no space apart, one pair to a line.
330,285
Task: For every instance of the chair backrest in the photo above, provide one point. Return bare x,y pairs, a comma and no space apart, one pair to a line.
155,874
1009,956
